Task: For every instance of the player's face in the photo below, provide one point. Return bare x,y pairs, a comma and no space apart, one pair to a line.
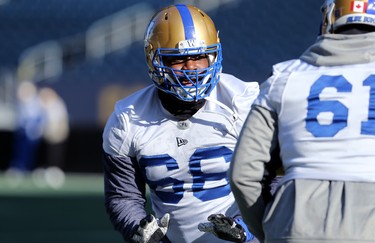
192,62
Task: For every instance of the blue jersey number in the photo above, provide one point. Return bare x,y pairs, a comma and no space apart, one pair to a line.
195,169
338,109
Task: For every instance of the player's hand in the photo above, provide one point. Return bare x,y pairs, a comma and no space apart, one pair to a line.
151,229
225,228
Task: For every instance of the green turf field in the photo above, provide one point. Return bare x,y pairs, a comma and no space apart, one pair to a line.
32,212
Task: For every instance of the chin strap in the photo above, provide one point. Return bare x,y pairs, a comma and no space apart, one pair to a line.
233,113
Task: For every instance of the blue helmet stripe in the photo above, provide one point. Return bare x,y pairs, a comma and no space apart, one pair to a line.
187,21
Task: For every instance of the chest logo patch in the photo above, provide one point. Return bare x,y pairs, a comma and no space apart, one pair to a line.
183,125
181,141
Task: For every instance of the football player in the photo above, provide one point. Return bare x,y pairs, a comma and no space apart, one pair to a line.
319,109
177,137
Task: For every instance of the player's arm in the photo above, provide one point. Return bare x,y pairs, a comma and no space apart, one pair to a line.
246,174
273,172
125,202
125,198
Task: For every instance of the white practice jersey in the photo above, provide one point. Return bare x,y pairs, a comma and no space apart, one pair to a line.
184,162
326,121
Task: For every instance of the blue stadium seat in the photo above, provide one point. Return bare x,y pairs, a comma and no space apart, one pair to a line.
255,35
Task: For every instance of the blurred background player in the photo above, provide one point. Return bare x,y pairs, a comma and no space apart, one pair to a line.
55,135
29,130
42,132
177,136
320,110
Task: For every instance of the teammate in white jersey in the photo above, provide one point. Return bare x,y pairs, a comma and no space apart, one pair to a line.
320,111
177,136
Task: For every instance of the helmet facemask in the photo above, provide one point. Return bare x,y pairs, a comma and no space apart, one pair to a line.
187,85
327,10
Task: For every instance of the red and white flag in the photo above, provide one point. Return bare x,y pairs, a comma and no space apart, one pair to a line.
358,6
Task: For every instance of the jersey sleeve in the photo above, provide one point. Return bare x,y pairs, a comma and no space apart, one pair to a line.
272,90
243,101
124,185
238,95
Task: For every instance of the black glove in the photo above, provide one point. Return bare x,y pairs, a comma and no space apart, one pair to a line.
151,229
225,228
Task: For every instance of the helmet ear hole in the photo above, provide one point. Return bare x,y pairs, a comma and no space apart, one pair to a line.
148,47
201,13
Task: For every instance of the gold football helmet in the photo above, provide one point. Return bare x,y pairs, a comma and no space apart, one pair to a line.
339,13
177,31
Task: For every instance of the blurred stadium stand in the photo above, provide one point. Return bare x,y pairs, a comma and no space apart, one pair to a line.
91,53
